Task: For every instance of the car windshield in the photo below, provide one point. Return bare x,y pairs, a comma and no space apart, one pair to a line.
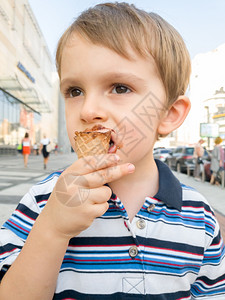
189,151
165,151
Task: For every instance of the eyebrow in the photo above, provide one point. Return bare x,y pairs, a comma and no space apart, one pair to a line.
123,76
117,76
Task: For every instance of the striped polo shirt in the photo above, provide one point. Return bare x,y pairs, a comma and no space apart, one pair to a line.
171,250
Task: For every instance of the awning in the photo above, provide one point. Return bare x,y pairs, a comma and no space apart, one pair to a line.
27,95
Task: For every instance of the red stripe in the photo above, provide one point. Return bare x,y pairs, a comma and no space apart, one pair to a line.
101,260
24,215
140,245
18,226
177,215
211,285
8,251
132,259
196,208
172,250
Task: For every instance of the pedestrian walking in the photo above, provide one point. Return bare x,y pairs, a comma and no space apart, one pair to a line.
198,154
56,148
44,150
217,161
26,145
35,148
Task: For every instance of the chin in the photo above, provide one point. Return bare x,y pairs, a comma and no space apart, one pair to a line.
135,157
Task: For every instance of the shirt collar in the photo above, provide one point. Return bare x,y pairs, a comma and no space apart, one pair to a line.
170,191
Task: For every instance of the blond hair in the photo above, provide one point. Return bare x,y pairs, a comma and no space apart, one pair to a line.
218,140
116,25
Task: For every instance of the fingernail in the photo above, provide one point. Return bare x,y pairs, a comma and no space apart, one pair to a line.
131,168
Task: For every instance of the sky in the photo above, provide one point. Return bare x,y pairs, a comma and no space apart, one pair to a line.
200,22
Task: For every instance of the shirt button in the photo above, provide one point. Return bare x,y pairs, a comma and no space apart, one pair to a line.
133,251
151,207
141,224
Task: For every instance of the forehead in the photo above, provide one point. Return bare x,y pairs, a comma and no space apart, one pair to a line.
76,42
80,52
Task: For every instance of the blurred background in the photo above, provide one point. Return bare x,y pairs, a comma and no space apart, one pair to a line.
30,100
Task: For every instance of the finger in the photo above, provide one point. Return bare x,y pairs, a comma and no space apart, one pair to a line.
74,190
101,177
90,164
100,195
100,209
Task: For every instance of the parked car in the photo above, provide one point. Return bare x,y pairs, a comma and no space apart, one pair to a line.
161,153
182,157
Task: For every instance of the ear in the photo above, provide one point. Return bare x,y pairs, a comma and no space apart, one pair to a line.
175,115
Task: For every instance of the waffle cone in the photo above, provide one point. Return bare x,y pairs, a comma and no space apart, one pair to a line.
91,143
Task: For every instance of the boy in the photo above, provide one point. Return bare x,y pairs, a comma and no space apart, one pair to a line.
126,70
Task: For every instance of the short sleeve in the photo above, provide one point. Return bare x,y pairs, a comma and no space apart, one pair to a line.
210,283
15,230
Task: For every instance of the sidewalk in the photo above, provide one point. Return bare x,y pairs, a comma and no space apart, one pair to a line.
214,194
15,181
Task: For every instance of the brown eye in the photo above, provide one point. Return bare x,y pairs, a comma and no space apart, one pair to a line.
74,92
121,89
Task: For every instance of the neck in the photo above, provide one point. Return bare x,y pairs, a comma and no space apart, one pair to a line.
132,189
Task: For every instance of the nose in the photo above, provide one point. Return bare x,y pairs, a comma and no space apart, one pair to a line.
93,111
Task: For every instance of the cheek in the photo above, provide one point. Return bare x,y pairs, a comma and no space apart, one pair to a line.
71,124
136,138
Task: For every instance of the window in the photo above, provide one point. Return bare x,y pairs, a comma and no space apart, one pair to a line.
178,150
165,151
15,118
189,151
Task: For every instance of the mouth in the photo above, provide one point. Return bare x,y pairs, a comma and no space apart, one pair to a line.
112,146
114,143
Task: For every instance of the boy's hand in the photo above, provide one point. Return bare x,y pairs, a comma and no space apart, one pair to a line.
80,196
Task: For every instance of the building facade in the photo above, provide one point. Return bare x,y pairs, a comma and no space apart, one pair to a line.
28,83
207,94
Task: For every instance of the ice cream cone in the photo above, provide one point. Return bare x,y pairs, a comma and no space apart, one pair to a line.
92,143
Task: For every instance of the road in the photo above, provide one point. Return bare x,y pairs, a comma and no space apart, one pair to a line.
15,181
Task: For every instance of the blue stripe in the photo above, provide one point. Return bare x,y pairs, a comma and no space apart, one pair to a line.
19,232
49,178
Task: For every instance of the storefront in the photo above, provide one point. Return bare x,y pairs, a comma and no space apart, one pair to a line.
16,118
28,87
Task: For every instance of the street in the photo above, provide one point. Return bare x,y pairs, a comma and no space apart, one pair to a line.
214,194
16,181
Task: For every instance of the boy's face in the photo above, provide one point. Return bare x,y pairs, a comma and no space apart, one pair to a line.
102,87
